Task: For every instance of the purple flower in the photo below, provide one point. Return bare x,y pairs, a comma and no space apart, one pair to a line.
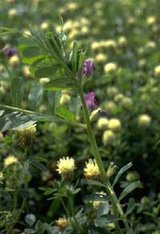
91,102
9,52
88,68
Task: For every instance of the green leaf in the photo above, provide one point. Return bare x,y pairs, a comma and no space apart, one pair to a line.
36,95
14,120
75,105
47,71
65,114
59,84
129,189
121,171
103,220
38,165
17,90
97,230
74,56
131,206
25,41
1,112
32,60
48,191
30,52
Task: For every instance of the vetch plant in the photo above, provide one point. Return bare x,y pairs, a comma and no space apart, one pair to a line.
48,55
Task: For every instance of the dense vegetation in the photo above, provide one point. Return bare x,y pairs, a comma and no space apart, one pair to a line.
72,72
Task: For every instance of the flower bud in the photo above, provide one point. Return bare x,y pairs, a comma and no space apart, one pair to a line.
132,176
111,169
91,102
88,68
9,52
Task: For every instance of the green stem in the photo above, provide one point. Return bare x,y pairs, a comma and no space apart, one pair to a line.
95,151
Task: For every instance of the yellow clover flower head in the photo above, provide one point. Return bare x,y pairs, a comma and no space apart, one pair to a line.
122,41
112,91
11,159
65,98
102,123
127,102
114,124
62,223
144,120
108,137
1,177
157,71
14,61
110,68
111,107
101,57
151,20
66,167
91,170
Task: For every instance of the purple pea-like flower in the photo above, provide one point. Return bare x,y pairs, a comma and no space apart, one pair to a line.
88,68
9,51
91,102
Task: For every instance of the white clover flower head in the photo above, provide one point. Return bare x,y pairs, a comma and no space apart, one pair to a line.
91,170
66,166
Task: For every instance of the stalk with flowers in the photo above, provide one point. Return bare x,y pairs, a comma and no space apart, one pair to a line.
46,53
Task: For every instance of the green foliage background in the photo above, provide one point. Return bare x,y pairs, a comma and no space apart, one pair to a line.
136,58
